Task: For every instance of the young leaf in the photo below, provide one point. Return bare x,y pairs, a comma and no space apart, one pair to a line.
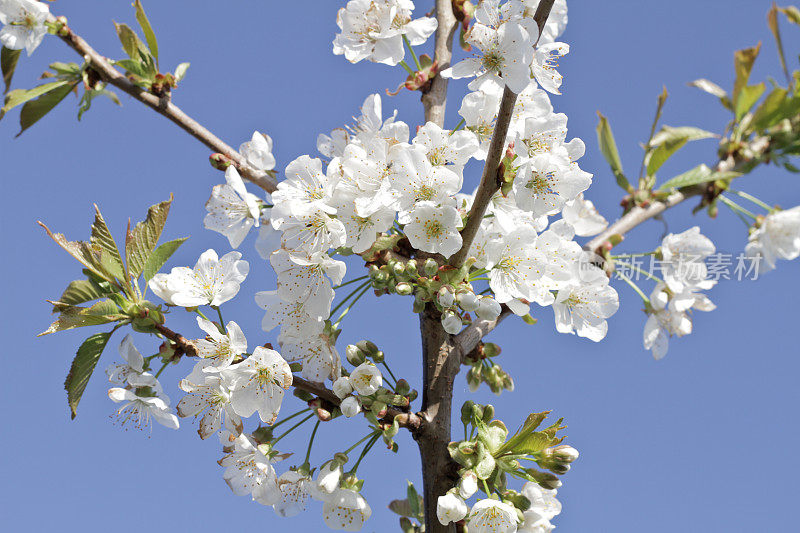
743,63
78,292
697,175
747,99
180,71
101,238
81,251
34,110
668,141
131,44
160,256
668,133
775,107
149,34
102,312
8,64
772,22
82,368
792,14
21,96
608,147
663,152
141,242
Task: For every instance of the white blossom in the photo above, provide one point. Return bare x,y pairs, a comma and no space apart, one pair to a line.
232,211
684,256
312,232
294,494
543,501
342,387
320,359
132,373
584,304
444,147
362,231
668,315
492,516
327,481
545,183
219,349
295,322
249,471
374,29
140,404
303,278
305,190
778,237
545,63
211,399
434,229
515,265
450,508
366,379
479,111
581,214
346,510
258,152
23,24
488,308
213,281
467,484
350,407
414,179
258,384
451,322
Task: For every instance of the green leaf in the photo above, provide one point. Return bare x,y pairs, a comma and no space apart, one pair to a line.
21,96
533,421
141,242
80,250
697,175
132,67
34,110
747,98
180,71
608,147
131,44
401,507
792,14
772,22
664,151
689,133
82,368
668,141
8,64
71,71
414,500
713,89
102,312
160,256
89,96
78,292
772,110
149,34
101,239
743,63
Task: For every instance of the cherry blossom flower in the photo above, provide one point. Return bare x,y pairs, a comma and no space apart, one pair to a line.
583,305
220,349
545,63
132,373
327,481
249,471
305,190
350,407
450,508
556,22
141,404
211,399
213,281
232,211
492,516
366,379
320,359
24,24
479,111
414,179
581,214
506,54
312,232
544,184
444,147
342,387
258,384
668,315
362,231
451,322
374,29
488,308
778,237
514,265
434,229
684,256
302,279
294,494
543,501
258,152
346,510
295,322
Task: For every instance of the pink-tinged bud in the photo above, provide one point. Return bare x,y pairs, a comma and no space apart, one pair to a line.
323,414
564,453
350,407
220,161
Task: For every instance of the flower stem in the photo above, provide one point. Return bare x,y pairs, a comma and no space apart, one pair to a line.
413,53
298,413
635,287
640,271
364,452
486,488
390,372
347,310
351,448
160,370
736,207
199,312
405,66
311,440
221,321
753,199
459,126
303,421
340,304
349,282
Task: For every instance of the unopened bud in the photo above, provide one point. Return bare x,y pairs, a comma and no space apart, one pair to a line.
354,355
378,357
368,347
467,411
559,468
411,268
490,349
468,484
323,414
399,269
219,161
544,479
451,322
350,407
564,453
467,301
431,267
488,413
342,387
402,387
445,296
404,288
488,308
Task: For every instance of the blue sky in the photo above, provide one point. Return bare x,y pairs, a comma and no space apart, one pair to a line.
700,441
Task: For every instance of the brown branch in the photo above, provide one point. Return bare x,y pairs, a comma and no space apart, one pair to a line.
469,338
490,178
435,100
182,343
164,107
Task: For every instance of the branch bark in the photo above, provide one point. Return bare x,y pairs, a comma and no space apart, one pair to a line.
435,100
110,75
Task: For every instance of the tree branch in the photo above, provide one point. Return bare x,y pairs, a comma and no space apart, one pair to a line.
490,178
164,107
435,100
468,339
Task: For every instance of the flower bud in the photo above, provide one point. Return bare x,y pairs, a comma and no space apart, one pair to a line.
445,296
378,357
450,508
404,288
342,387
323,414
468,484
564,453
451,322
559,468
488,308
431,267
402,387
474,378
368,347
379,409
411,268
467,301
545,479
399,269
350,407
467,411
354,355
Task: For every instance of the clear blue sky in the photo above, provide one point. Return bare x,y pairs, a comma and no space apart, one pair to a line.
700,441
